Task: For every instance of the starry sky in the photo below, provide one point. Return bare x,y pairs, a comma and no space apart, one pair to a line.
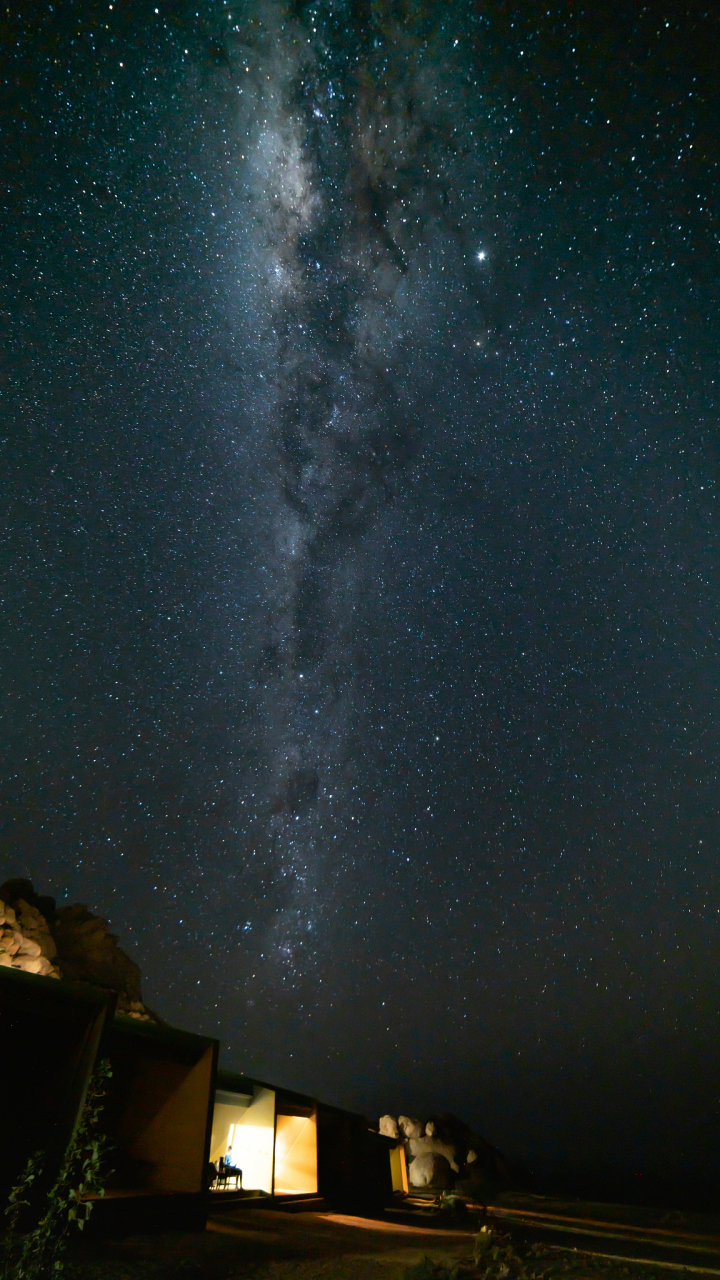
359,553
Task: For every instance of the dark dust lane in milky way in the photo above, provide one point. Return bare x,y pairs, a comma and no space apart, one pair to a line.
364,213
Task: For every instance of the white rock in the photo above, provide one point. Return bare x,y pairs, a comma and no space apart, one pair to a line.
410,1127
389,1127
471,1157
429,1169
28,948
419,1147
30,951
430,1129
35,926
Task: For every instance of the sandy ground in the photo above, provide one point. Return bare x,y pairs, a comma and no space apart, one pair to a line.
264,1244
246,1243
605,1211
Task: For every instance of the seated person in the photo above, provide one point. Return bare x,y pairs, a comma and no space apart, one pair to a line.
228,1169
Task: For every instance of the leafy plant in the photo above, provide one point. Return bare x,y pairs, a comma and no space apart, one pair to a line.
20,1198
495,1258
451,1204
37,1254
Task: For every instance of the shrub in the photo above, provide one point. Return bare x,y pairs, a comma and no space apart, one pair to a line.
37,1255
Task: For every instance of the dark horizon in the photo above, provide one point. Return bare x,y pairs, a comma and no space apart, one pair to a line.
360,464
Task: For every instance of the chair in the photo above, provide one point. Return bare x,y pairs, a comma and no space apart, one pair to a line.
226,1172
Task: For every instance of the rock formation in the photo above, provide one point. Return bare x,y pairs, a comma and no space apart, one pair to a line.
432,1146
389,1127
410,1127
66,942
443,1152
428,1170
25,940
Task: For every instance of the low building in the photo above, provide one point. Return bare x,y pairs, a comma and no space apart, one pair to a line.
171,1115
266,1132
158,1108
158,1116
291,1146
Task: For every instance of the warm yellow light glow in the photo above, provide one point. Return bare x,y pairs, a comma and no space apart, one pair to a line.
243,1134
296,1155
252,1152
398,1169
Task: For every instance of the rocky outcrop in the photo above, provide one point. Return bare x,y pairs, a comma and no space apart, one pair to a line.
66,942
443,1152
89,952
25,940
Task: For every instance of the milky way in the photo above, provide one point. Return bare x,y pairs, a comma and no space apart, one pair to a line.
365,208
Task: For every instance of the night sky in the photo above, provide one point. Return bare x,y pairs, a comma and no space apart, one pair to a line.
359,552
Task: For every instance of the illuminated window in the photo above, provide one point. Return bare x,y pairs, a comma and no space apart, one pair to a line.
295,1155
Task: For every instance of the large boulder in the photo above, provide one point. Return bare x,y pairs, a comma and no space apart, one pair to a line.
410,1127
470,1148
450,1129
418,1147
35,928
389,1127
430,1170
25,940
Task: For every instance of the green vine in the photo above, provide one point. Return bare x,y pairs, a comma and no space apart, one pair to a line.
37,1255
